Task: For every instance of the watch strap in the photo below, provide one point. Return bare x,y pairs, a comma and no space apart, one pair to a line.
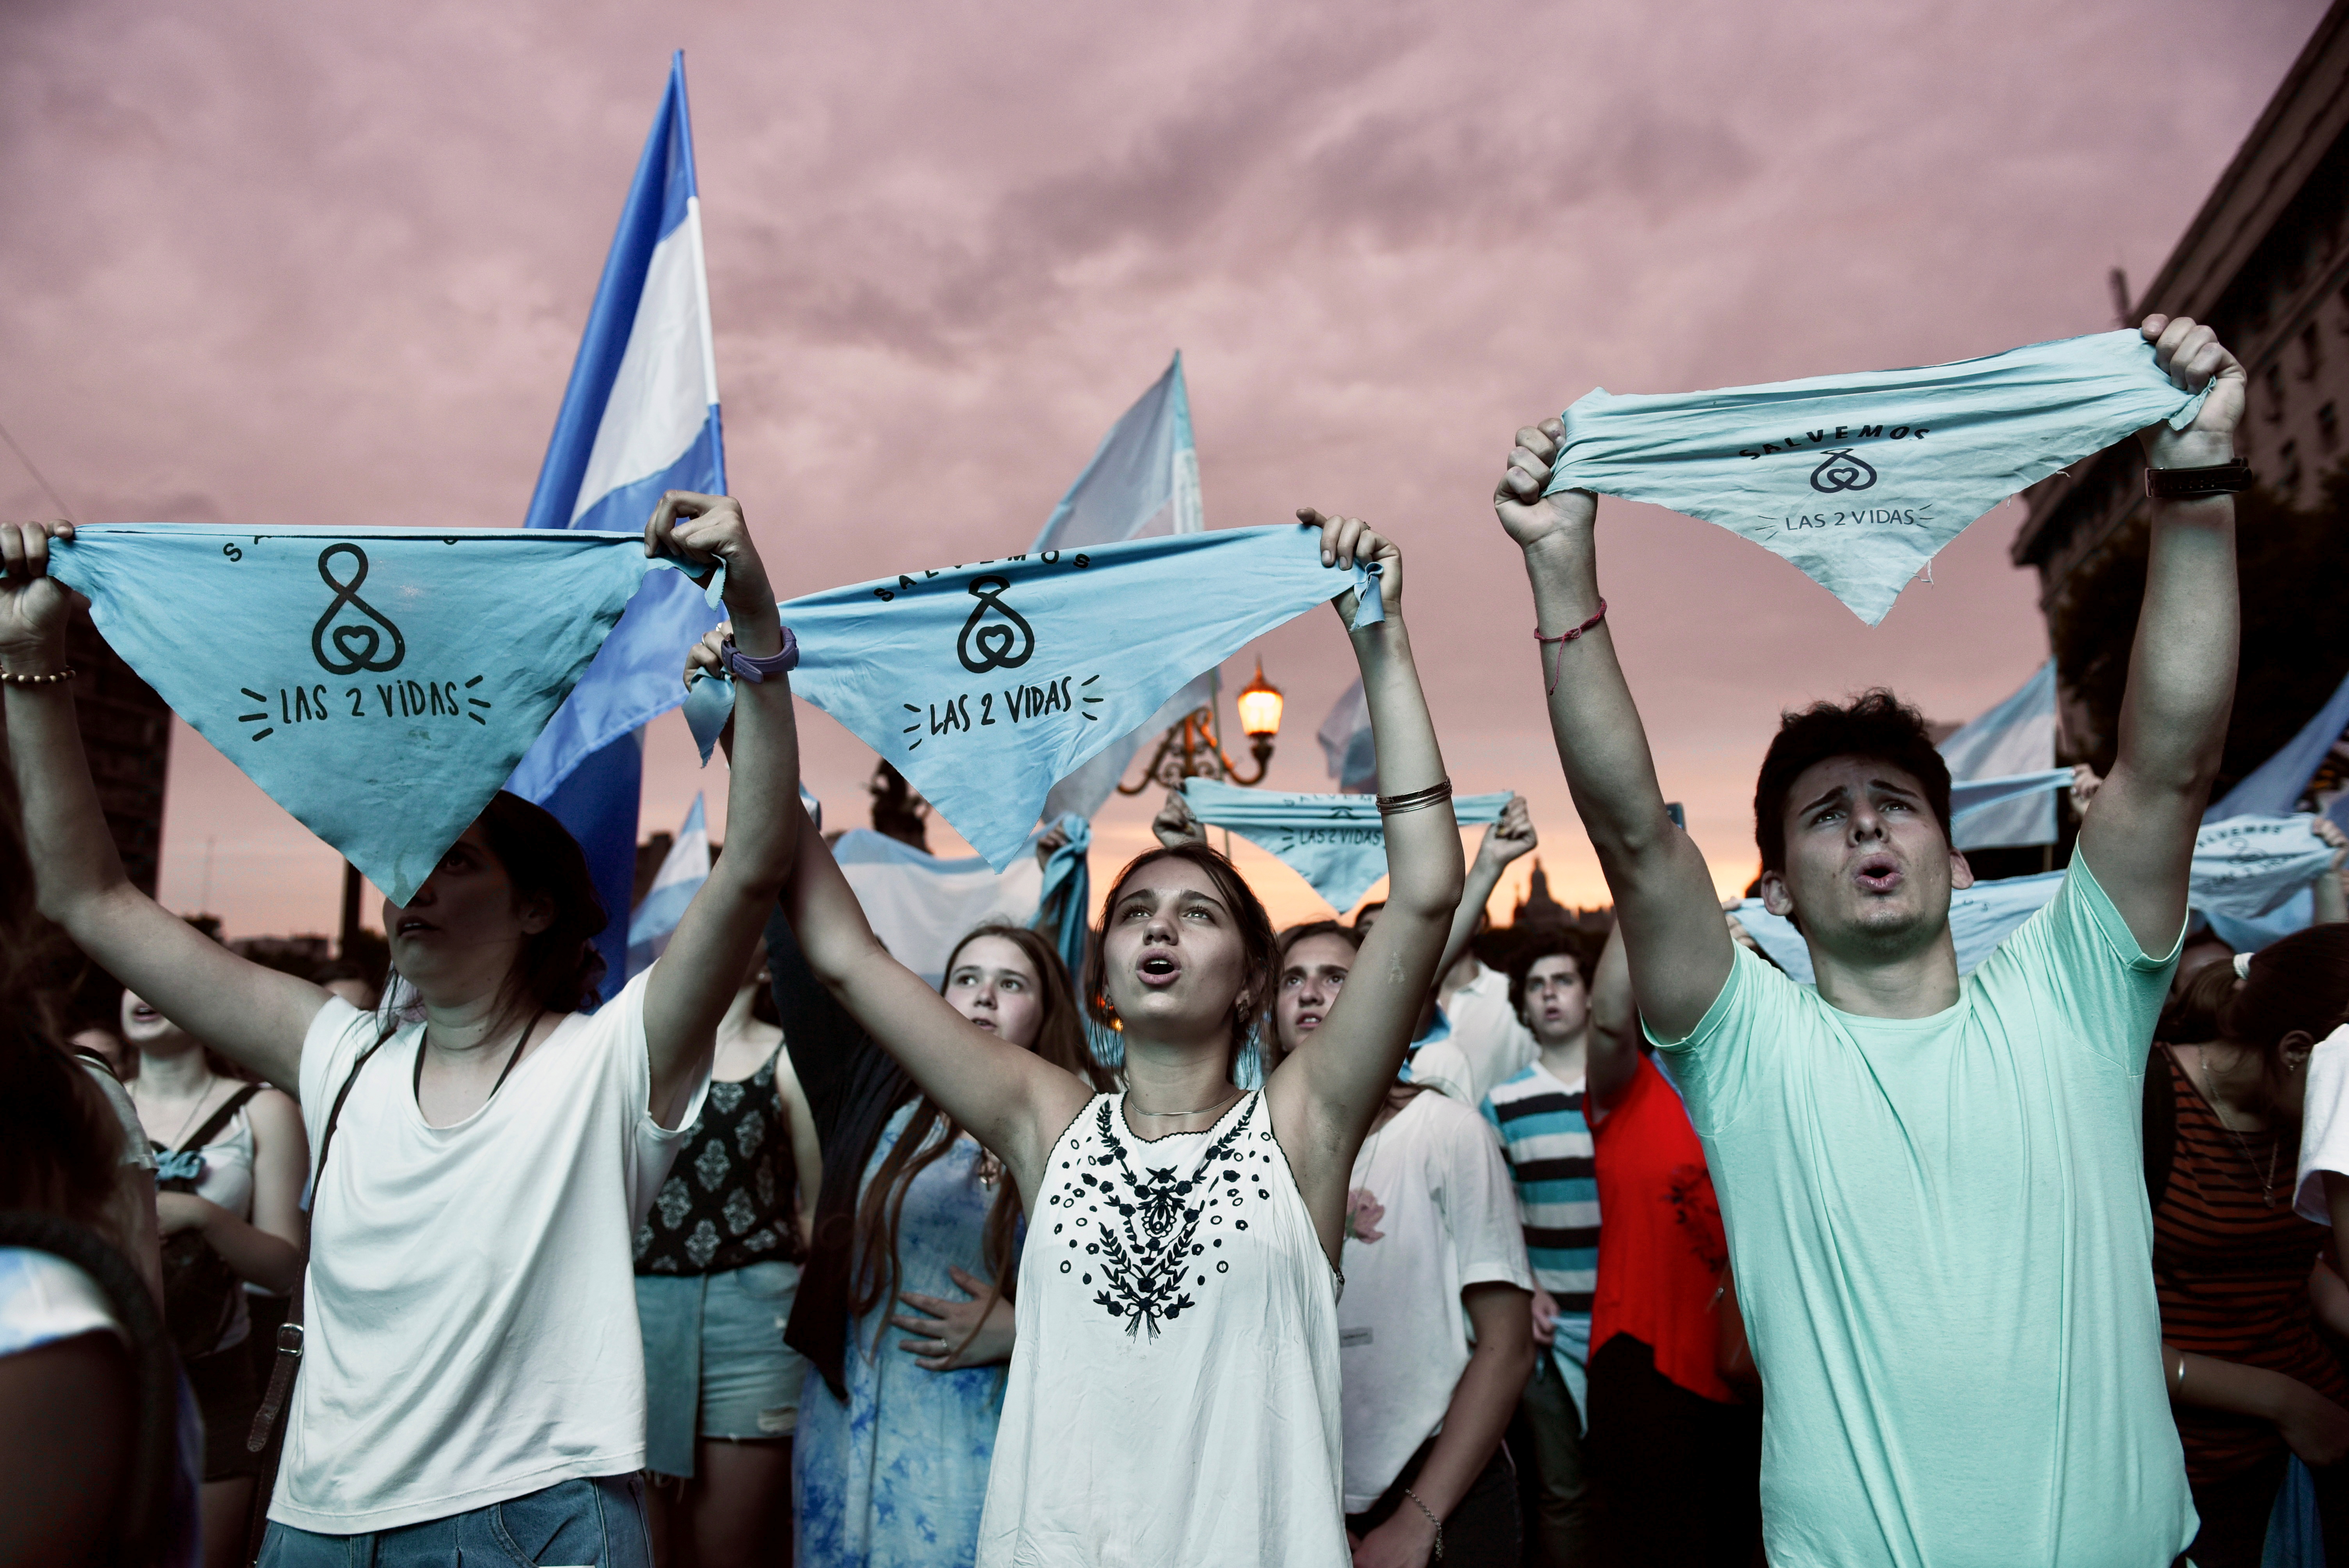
757,670
2181,484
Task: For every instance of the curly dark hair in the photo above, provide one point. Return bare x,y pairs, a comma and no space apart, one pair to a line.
1548,943
1876,725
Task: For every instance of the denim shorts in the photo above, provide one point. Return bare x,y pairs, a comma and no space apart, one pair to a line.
595,1523
715,1362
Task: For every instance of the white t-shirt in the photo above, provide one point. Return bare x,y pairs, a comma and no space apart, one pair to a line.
45,1299
2324,1125
1488,1034
1430,1211
471,1312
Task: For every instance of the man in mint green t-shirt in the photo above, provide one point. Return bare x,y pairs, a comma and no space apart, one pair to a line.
1932,1184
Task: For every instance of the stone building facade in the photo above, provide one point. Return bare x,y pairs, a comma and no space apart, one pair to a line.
2265,262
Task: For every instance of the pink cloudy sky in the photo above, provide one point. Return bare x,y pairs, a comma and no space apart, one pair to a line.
274,263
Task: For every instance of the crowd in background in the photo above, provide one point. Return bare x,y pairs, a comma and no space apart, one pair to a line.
1397,1238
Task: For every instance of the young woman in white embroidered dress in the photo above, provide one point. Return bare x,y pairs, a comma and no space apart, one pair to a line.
1174,1393
471,1375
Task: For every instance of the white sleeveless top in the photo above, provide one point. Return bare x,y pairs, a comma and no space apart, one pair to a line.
1174,1393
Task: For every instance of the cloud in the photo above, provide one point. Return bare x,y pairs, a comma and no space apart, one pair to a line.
279,263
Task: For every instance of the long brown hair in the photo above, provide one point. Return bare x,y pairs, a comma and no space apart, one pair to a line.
1060,1040
1258,982
58,1139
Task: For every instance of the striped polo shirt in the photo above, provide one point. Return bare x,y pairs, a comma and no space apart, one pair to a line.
1548,1145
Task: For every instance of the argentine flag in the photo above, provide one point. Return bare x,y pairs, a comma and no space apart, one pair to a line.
1143,480
639,417
679,878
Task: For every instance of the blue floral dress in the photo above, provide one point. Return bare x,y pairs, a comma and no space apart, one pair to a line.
894,1477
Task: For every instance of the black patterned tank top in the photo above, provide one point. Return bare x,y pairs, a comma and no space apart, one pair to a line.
728,1200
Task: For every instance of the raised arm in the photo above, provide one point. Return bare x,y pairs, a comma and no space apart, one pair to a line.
1665,902
1611,1058
1507,840
1014,1101
256,1015
1325,1094
696,978
2139,836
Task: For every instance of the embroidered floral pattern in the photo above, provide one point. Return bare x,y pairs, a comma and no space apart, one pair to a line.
1363,1212
1148,1231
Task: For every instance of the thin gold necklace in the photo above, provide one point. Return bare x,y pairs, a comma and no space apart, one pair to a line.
2210,1098
212,1081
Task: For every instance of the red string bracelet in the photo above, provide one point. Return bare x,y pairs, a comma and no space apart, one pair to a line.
1562,639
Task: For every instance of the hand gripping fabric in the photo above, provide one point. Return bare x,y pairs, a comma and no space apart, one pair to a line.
986,684
1860,479
1336,843
380,685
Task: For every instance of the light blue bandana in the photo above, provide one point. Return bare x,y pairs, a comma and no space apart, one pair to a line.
2250,875
1970,795
1860,479
379,686
984,684
1337,843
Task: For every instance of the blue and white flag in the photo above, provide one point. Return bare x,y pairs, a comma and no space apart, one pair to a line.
2249,876
1971,800
2017,736
1336,843
638,419
920,905
380,685
987,684
1346,744
681,876
2276,786
1860,479
1143,481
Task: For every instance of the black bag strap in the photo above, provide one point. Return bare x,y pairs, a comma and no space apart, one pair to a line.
219,1118
2160,1124
288,1360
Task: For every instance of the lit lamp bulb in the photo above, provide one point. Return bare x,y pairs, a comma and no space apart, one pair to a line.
1259,704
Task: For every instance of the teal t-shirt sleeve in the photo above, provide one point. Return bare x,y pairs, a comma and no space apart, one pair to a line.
2077,959
1717,1065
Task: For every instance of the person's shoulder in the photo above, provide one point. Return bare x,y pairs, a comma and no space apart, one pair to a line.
44,1299
1445,1117
1526,1080
274,1112
620,1020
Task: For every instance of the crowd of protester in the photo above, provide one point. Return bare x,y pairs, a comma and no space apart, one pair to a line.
1394,1241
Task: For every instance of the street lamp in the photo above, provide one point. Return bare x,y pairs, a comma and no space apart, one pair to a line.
1189,749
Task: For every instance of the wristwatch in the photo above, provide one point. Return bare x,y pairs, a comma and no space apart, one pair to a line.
757,670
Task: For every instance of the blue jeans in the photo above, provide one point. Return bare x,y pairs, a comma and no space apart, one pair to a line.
583,1523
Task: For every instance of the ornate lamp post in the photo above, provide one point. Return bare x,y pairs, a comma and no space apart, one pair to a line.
1190,749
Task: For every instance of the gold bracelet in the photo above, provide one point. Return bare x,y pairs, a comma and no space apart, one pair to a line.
10,677
1431,1520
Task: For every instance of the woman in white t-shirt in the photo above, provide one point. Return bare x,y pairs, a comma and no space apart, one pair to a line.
1174,1392
472,1383
1435,1334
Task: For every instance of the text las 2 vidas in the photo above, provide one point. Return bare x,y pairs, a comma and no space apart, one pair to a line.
378,684
1860,479
986,684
